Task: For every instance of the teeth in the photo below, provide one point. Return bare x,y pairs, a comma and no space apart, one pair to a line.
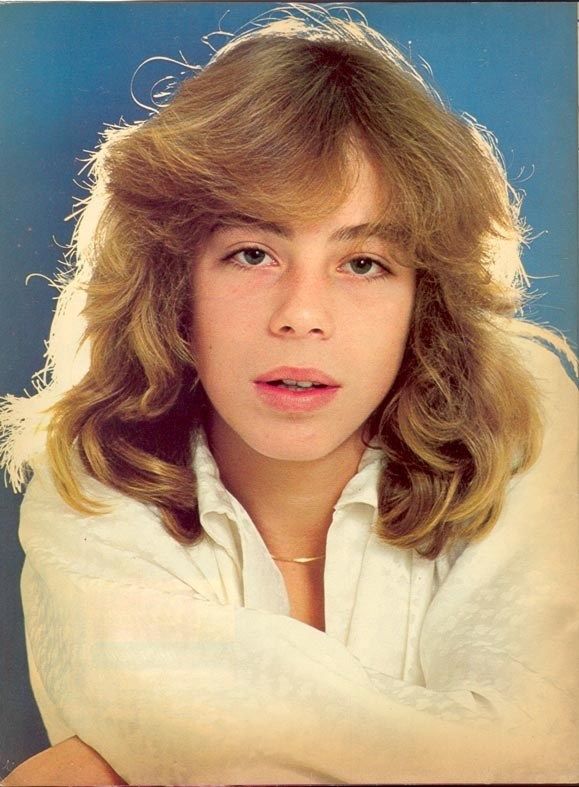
301,385
298,383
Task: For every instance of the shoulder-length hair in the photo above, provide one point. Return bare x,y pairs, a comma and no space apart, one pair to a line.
265,131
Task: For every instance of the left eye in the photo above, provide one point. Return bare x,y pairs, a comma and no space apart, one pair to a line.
366,267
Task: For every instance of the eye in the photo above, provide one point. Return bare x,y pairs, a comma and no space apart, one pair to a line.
249,256
366,267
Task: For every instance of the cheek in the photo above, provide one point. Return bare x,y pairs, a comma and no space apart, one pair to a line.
221,328
205,334
384,326
384,348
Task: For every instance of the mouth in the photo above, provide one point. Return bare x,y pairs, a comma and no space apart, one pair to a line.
297,379
296,389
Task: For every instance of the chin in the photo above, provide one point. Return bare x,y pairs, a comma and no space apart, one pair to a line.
297,440
294,453
297,447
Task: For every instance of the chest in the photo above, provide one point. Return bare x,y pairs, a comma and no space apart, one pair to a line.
305,589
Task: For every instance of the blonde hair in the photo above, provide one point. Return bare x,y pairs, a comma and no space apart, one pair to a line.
265,131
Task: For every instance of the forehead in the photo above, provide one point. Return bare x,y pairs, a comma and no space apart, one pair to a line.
366,196
359,207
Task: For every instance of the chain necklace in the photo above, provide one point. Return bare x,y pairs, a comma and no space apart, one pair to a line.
298,559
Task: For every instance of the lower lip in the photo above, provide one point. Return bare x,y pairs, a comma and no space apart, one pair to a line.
287,400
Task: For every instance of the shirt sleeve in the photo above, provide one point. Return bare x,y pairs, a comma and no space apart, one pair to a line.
171,687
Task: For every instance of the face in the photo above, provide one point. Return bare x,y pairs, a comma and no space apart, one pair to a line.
299,330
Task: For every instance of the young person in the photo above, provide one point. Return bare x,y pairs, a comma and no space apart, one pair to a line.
300,520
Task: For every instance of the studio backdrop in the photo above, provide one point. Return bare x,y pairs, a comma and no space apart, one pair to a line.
67,69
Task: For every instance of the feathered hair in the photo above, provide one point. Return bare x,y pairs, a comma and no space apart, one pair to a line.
265,130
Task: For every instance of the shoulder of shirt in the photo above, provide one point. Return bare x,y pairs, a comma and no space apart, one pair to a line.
544,494
558,392
557,462
126,541
550,364
43,487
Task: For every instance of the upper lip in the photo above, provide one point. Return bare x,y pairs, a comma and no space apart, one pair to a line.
299,374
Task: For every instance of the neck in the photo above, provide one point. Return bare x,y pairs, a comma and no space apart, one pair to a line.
290,502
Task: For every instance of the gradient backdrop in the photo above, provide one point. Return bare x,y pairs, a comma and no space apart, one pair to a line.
66,69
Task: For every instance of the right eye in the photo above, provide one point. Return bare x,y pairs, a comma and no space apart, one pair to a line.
248,257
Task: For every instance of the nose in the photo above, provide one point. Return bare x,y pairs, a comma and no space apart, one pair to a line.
302,307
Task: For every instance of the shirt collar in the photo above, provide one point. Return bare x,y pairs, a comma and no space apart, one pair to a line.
213,497
363,486
227,523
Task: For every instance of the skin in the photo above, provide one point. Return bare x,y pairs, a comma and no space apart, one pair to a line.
71,762
298,296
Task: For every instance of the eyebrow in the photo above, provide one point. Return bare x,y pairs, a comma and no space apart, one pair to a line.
355,232
238,221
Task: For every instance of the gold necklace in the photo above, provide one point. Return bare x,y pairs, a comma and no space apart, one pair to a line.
298,559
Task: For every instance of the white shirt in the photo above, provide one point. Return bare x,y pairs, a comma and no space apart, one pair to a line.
180,664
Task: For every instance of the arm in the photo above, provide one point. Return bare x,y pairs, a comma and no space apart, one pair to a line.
171,688
174,689
69,763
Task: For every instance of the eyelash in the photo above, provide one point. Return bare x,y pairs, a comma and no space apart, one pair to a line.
230,258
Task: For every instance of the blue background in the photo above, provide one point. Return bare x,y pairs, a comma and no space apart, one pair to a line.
66,70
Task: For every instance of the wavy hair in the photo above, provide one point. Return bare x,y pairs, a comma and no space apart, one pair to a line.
265,130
